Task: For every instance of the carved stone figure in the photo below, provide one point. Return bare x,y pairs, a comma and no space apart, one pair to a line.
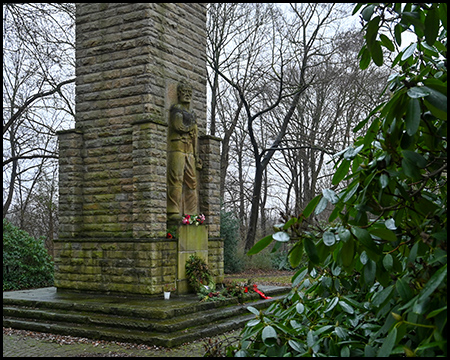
182,159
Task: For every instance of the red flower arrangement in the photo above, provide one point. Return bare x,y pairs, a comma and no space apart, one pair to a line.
193,219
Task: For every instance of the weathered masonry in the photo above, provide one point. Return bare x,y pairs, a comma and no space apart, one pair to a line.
113,222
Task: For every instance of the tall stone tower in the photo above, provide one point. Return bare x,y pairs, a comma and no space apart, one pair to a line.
113,164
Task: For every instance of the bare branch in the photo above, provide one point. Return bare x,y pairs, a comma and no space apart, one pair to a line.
31,100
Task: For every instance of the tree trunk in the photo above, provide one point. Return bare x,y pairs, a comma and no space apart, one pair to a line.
261,165
253,221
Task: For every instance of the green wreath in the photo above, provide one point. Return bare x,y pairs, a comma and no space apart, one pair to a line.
197,273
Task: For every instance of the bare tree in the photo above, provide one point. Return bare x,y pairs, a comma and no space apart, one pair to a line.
322,125
225,21
38,78
268,52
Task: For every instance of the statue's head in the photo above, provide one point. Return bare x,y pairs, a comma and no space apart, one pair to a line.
184,91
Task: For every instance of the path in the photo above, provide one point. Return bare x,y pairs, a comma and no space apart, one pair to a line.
21,343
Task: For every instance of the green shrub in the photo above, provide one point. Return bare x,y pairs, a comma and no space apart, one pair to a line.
26,262
229,231
261,261
376,279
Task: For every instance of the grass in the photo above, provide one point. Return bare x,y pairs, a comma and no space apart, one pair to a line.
262,277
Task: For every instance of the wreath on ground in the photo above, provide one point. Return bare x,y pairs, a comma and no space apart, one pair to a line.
197,273
201,281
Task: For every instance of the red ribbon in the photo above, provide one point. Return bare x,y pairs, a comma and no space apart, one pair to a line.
255,288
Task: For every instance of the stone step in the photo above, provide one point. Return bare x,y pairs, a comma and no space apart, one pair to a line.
159,325
157,322
131,336
136,307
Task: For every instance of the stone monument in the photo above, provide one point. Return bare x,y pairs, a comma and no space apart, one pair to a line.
119,191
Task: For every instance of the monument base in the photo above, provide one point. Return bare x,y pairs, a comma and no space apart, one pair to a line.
132,319
115,266
135,266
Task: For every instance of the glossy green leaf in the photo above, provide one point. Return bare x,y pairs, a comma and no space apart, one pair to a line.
398,29
387,42
290,222
341,172
436,312
260,245
411,169
431,29
412,117
269,335
364,237
345,352
384,234
346,307
344,234
297,346
340,332
390,224
328,238
432,284
384,180
330,195
372,31
295,254
377,53
414,158
281,236
299,276
351,190
311,250
311,206
348,252
253,322
388,344
370,270
351,152
409,51
438,101
367,12
403,289
388,262
383,296
300,308
321,206
365,59
363,258
323,329
331,305
414,18
418,92
253,310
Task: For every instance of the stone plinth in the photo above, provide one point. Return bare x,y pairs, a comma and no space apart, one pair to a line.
124,266
192,240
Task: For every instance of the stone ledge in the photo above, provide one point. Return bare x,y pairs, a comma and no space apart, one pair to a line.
69,131
115,239
149,120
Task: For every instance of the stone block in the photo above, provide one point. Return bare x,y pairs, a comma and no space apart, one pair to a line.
192,237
